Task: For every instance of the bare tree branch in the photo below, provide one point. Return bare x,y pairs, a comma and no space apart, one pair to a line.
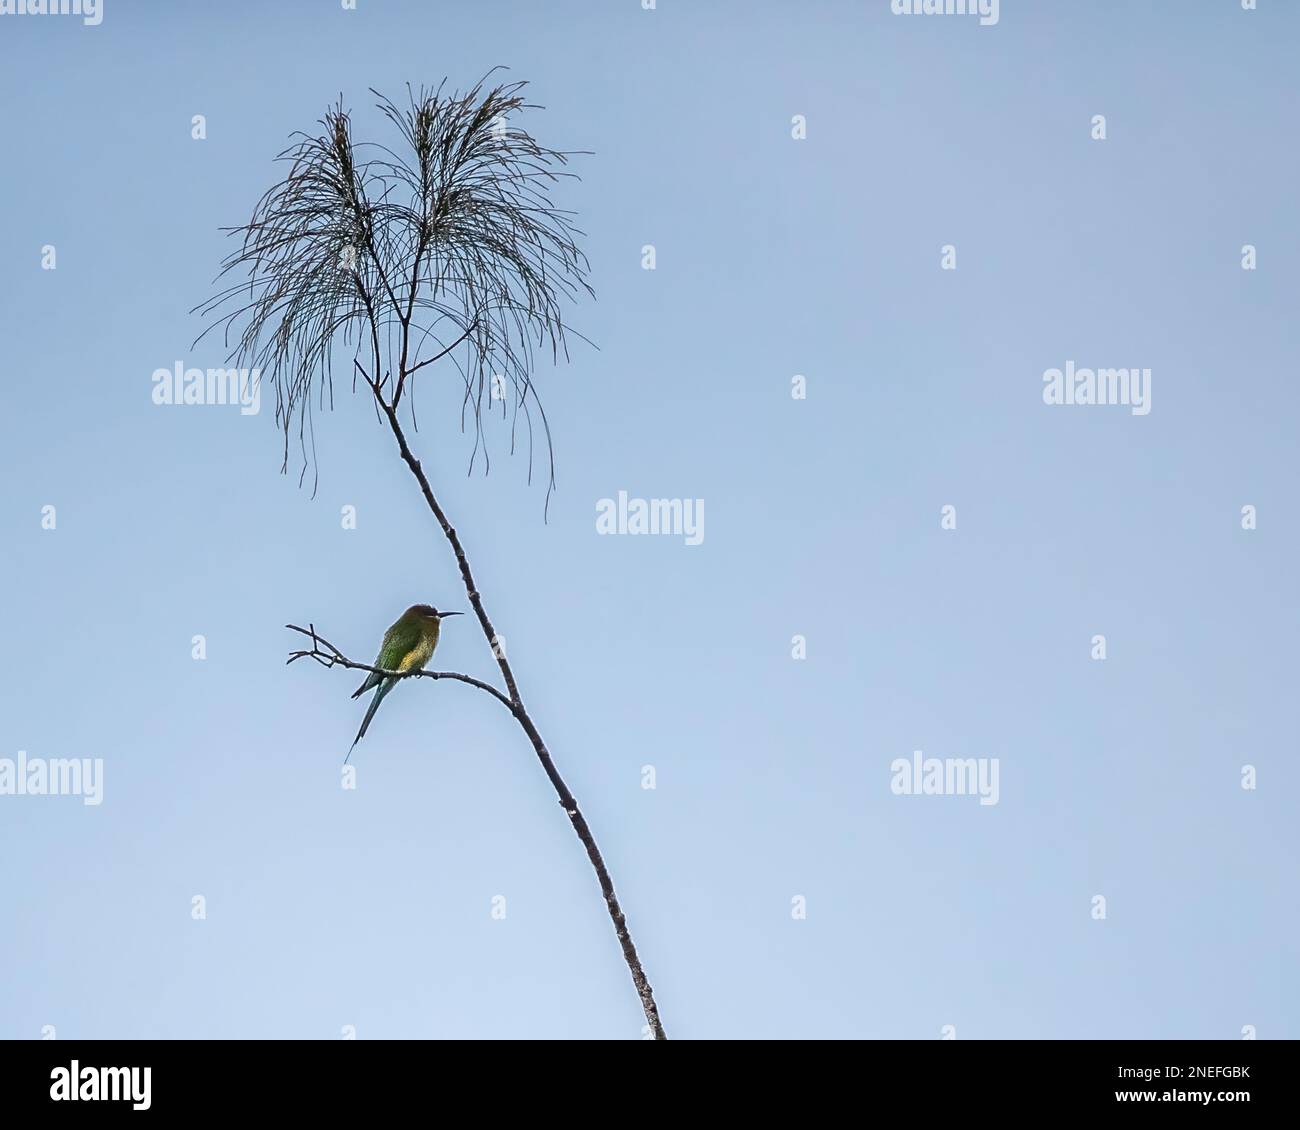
455,238
567,800
436,357
327,655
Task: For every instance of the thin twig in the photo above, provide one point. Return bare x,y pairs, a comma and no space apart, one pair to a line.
327,655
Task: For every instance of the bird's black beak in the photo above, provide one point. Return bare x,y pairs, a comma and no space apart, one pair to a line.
442,614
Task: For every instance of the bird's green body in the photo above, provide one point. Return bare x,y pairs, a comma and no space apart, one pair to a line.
407,646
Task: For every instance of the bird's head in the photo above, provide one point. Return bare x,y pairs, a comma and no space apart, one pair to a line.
428,612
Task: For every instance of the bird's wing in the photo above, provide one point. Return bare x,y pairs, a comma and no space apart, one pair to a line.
399,640
373,678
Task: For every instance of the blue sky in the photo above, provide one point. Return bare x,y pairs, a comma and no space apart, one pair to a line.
774,257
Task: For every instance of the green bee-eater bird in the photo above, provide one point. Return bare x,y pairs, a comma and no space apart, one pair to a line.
408,645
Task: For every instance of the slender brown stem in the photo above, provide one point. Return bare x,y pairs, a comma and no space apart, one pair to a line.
567,800
327,655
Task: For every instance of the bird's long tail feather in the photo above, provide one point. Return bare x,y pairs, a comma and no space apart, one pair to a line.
384,687
372,680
